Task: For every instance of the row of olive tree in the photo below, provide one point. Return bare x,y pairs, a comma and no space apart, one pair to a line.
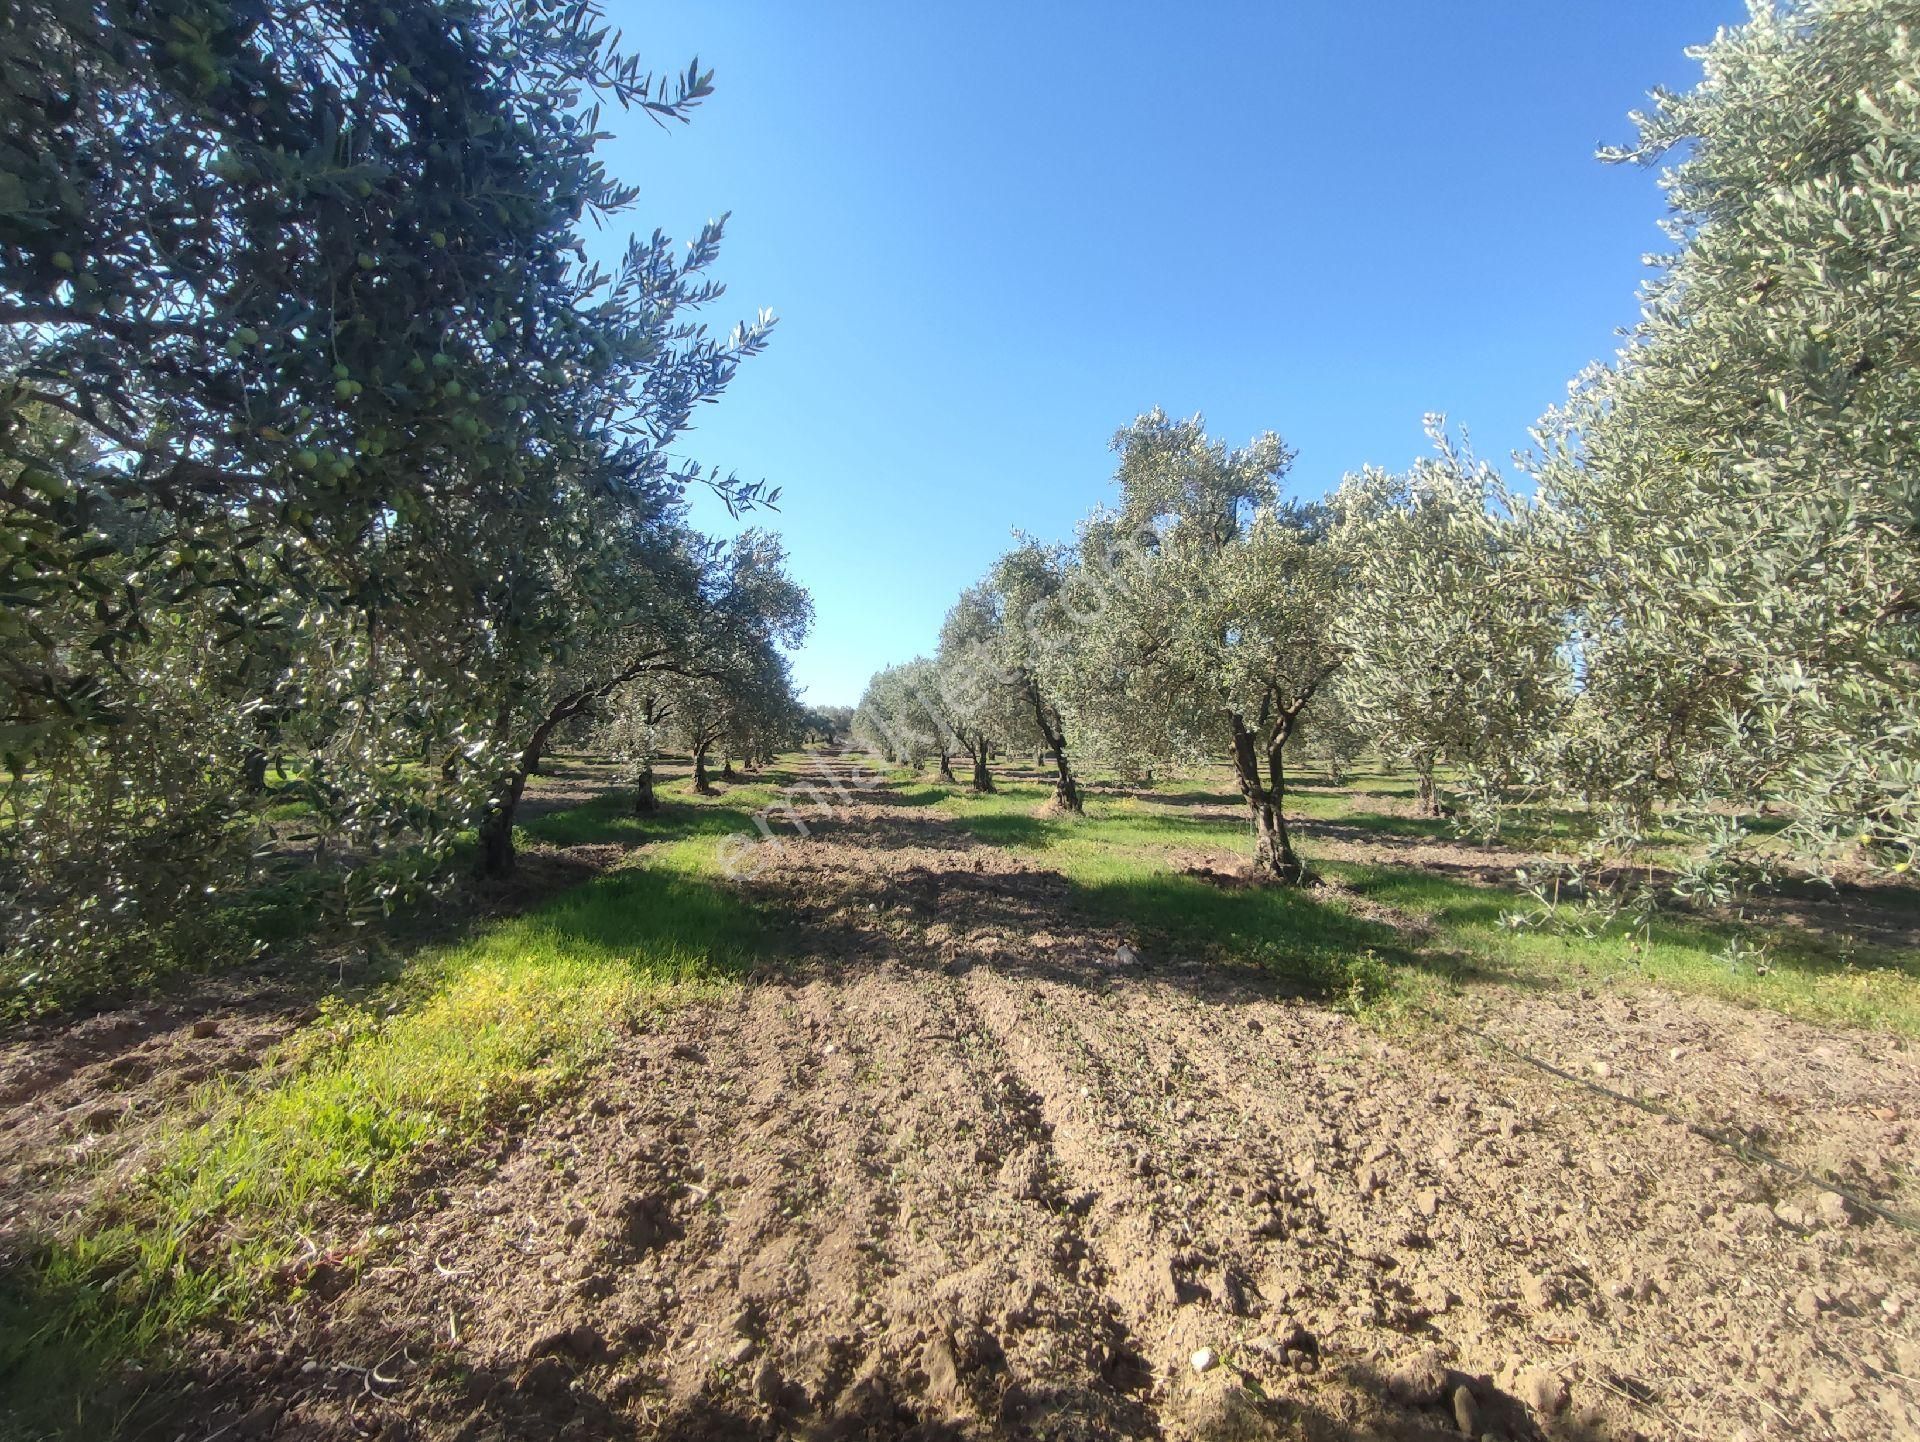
1707,610
322,448
736,695
1205,617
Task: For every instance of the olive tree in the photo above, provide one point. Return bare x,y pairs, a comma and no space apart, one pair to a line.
1205,616
1455,642
827,724
633,730
838,722
731,682
894,719
631,595
306,283
1739,493
1025,589
977,696
765,717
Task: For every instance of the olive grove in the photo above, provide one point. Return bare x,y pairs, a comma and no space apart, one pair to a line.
1702,606
324,452
1454,643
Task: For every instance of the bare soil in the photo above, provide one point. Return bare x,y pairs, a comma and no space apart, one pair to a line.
958,1163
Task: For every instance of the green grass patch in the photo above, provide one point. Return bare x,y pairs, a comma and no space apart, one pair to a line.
1797,972
466,1036
1121,859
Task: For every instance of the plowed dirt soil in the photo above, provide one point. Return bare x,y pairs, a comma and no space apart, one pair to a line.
958,1163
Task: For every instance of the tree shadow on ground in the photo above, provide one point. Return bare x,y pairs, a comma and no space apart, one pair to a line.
1225,945
564,1387
612,821
1360,825
1229,945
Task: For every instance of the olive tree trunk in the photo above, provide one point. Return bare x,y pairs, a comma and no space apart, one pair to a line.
982,778
1429,796
1273,853
496,858
1066,794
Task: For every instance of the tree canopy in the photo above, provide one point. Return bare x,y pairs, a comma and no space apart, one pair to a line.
322,445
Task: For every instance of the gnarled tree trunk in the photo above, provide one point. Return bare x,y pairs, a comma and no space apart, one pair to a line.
982,778
1066,794
946,767
700,782
1429,795
496,823
645,803
1273,853
496,857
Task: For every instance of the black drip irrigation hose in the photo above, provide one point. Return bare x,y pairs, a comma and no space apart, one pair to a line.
1732,1141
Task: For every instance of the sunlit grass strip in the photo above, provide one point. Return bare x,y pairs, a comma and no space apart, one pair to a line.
1118,857
471,1033
1798,974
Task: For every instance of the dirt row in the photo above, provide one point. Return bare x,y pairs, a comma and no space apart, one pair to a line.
958,1163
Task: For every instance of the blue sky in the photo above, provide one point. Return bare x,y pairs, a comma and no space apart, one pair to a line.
995,233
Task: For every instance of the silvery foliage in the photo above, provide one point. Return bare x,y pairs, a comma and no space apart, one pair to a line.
1200,619
894,719
1456,644
1737,498
633,729
998,655
966,677
730,684
363,444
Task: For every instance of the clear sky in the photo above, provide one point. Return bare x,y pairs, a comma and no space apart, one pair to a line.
994,233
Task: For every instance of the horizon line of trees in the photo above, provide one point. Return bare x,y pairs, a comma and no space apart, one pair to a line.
1705,617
